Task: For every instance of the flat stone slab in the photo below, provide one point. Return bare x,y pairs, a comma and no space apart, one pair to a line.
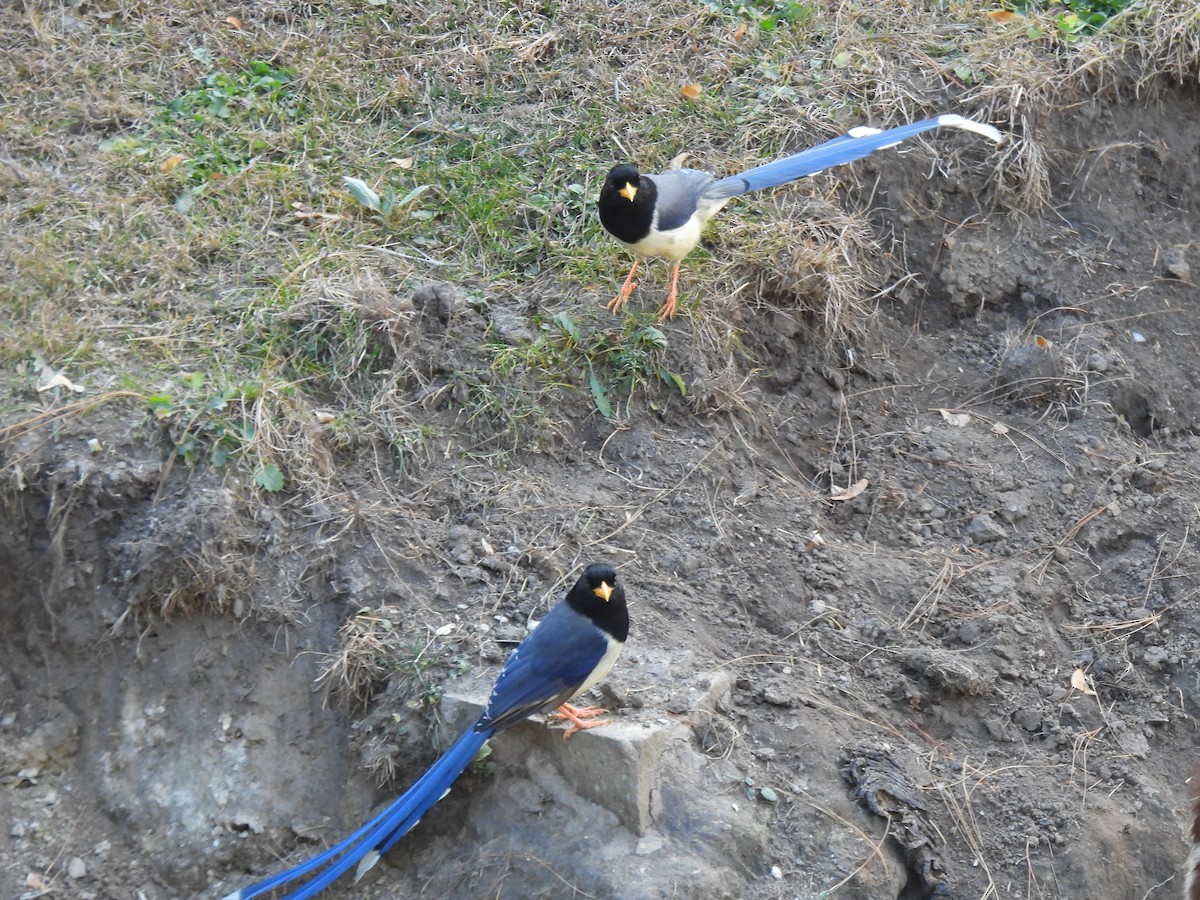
615,766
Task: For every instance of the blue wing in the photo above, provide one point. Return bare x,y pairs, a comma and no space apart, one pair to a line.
679,192
546,670
858,143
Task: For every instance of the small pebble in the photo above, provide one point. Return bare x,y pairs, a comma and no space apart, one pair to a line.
983,529
77,868
1176,262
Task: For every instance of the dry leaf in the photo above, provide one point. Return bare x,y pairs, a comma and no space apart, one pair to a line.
234,22
1079,681
404,162
51,380
999,428
170,163
851,492
958,420
740,33
539,48
1004,16
318,218
692,91
1042,342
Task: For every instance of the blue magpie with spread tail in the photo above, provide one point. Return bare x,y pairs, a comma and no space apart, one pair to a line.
664,214
572,648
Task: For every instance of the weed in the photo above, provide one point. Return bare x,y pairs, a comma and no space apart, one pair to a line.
1075,19
765,14
388,203
216,426
218,128
611,365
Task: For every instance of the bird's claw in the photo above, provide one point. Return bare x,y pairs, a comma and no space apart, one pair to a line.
580,717
618,301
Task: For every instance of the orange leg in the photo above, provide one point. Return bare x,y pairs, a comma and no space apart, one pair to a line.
668,309
580,717
626,289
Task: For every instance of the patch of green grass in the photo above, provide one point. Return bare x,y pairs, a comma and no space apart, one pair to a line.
609,366
767,15
220,127
1080,18
214,426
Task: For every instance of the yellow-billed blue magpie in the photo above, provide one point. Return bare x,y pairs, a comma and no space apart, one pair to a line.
664,214
572,648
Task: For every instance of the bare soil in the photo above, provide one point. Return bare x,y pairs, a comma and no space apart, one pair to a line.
976,678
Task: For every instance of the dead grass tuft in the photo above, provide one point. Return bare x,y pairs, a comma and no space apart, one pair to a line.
368,645
1165,38
812,257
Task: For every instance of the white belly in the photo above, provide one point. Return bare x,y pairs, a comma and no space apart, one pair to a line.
606,663
674,244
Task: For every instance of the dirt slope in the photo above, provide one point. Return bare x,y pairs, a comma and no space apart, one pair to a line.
976,678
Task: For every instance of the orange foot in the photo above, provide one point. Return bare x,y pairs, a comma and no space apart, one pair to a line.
580,717
618,301
668,309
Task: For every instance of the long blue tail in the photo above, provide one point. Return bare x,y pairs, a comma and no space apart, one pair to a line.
858,143
365,846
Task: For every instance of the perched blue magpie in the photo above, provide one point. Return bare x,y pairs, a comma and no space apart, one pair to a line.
663,215
569,652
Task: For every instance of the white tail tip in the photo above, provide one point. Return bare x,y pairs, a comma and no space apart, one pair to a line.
366,864
952,120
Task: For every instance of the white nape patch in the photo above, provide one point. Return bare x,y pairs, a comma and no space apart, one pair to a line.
236,895
952,120
443,797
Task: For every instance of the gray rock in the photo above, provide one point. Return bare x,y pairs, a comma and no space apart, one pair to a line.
983,529
511,327
1175,262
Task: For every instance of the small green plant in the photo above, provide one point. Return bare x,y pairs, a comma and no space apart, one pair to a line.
1081,18
608,363
213,426
764,793
386,204
766,14
219,127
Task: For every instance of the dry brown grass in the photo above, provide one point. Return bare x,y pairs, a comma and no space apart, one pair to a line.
278,283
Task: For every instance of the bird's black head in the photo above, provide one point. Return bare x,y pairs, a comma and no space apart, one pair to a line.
601,597
626,203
